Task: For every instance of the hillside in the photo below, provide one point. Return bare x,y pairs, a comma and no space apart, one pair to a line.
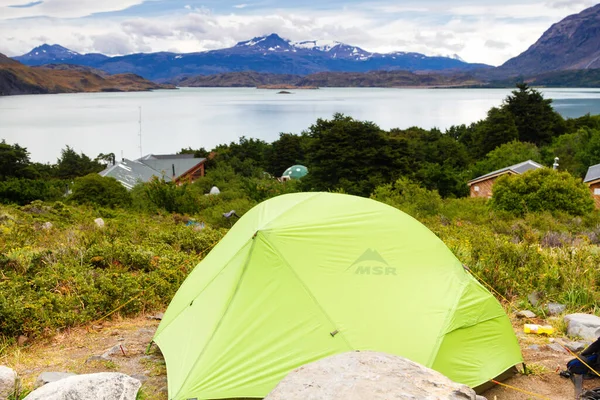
16,78
266,54
571,44
330,79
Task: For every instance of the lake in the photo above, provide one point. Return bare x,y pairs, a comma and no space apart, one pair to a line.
96,123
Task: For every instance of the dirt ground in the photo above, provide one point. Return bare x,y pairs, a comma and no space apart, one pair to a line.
70,352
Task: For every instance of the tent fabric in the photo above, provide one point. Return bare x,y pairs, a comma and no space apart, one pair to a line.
309,275
295,172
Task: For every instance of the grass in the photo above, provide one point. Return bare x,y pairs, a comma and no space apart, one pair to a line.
75,273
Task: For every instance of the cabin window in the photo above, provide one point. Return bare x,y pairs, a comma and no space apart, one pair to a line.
476,188
597,192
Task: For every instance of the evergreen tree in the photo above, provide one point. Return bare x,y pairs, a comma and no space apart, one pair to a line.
71,165
498,128
536,120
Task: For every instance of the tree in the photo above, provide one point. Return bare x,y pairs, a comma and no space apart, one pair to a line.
543,189
347,154
101,191
536,120
576,151
498,128
71,165
286,151
14,162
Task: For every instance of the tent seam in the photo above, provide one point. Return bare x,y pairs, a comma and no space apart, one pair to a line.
230,301
305,287
228,261
445,325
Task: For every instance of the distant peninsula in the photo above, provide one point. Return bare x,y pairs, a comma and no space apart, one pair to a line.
17,79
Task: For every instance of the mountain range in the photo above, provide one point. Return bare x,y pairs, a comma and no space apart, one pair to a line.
266,54
567,54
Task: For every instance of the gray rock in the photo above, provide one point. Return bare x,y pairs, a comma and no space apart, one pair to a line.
557,347
586,326
575,347
534,298
140,377
8,382
104,385
534,347
99,222
97,358
47,225
49,377
367,375
525,314
158,316
555,308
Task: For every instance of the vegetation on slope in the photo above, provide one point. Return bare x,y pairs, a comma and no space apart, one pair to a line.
16,78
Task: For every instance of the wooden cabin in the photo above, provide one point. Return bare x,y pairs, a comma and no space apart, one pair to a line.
592,179
482,186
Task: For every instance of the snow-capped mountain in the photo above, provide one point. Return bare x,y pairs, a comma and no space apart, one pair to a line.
268,54
55,54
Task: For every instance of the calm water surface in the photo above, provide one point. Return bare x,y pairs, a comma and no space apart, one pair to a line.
174,119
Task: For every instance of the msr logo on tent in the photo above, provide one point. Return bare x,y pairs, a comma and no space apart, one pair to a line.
371,263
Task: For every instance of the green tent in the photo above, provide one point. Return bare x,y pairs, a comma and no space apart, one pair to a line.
295,172
308,275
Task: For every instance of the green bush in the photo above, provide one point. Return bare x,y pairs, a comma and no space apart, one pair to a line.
409,197
101,191
542,190
23,191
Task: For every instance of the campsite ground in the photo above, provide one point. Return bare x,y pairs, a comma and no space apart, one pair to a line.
71,350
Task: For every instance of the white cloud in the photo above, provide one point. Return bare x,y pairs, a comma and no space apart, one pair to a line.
489,34
240,6
62,8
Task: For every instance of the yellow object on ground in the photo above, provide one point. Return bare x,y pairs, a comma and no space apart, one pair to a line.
538,329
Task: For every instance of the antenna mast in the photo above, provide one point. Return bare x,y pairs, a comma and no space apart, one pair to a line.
140,121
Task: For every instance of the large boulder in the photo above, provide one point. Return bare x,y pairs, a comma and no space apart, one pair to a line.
103,385
368,375
8,381
48,377
586,326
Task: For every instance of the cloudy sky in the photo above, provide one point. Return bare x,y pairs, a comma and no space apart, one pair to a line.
488,31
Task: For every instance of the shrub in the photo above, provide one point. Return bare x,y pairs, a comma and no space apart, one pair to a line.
409,197
23,191
101,191
542,190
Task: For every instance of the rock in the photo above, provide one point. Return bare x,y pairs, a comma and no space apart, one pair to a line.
22,340
158,316
367,375
534,347
116,350
104,385
555,308
557,347
526,314
47,225
214,190
99,222
140,377
49,377
586,326
575,347
8,382
534,298
97,358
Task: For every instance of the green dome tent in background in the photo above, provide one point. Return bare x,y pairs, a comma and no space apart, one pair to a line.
308,275
295,172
